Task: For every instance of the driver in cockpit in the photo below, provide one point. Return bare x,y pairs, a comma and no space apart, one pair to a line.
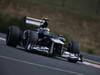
43,30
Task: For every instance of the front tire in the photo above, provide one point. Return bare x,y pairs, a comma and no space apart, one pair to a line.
74,47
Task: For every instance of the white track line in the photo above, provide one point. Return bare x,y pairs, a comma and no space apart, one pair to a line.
39,65
88,60
93,65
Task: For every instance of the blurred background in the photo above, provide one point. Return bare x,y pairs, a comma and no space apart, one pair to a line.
75,19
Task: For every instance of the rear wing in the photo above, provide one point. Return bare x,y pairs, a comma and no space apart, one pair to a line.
33,21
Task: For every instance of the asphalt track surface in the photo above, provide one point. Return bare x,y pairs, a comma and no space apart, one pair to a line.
91,57
16,61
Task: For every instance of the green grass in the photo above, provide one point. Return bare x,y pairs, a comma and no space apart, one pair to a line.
91,51
6,20
84,7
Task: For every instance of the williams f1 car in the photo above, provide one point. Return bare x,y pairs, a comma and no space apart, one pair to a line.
41,39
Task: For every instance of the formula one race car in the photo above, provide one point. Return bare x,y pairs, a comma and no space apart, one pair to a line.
40,39
72,51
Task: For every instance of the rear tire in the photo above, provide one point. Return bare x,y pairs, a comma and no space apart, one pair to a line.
13,36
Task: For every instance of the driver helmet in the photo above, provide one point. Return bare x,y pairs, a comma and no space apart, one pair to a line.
45,23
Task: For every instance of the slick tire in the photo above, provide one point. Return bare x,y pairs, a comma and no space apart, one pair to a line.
13,36
75,47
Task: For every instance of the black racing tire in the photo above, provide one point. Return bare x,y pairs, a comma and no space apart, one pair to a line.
13,36
74,47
